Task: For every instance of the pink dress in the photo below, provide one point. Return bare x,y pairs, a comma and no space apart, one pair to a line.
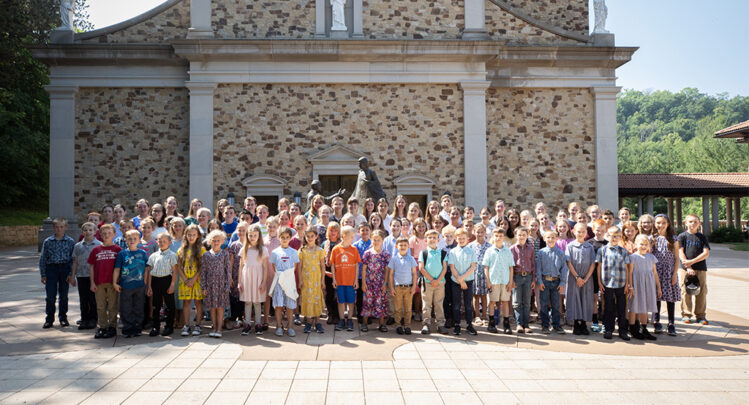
251,276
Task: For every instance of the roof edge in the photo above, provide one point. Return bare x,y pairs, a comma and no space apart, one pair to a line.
540,24
129,22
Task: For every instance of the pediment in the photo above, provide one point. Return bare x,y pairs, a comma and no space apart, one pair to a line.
336,153
264,180
414,180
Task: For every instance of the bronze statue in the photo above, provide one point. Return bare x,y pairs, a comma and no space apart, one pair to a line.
367,184
316,190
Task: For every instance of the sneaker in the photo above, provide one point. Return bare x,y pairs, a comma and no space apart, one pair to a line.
212,334
425,330
47,325
383,328
545,330
407,330
686,319
443,330
559,330
279,331
297,320
624,336
217,335
318,328
702,321
99,334
399,330
153,332
596,327
307,327
608,335
246,330
167,331
671,330
258,330
658,328
477,320
64,323
471,330
527,330
363,327
291,332
350,325
456,330
196,330
340,325
519,329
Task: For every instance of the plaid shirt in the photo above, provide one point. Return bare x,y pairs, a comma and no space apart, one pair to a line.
613,269
56,251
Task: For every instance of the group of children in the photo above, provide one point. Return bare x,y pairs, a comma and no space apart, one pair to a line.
374,263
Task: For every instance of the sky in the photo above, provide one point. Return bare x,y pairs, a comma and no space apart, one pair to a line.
683,43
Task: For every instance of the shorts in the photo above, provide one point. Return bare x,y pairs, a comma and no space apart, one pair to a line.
499,293
346,294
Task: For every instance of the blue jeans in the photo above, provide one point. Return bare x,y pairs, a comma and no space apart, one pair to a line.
522,302
57,283
550,294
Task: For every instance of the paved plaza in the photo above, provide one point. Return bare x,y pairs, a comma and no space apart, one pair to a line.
704,364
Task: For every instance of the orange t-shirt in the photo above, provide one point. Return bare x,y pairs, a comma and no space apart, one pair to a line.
346,260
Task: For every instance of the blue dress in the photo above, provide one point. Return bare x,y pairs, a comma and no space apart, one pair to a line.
479,281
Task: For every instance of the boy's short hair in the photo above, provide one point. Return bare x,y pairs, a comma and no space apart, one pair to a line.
477,226
273,220
363,225
250,198
401,239
448,230
498,231
352,200
599,222
203,209
93,213
379,232
521,229
432,232
398,220
300,216
245,212
347,230
692,216
623,209
164,235
614,230
261,206
446,195
107,226
87,225
553,234
60,220
460,231
285,230
215,234
467,220
608,212
230,207
126,221
132,232
337,198
150,220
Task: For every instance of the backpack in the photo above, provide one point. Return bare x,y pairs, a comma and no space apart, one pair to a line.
424,256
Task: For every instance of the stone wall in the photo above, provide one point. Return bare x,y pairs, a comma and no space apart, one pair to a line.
130,143
570,15
165,26
263,18
408,19
541,146
273,129
25,235
501,25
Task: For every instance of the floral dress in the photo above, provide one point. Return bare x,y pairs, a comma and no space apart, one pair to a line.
215,272
665,269
312,300
191,269
479,279
375,303
234,249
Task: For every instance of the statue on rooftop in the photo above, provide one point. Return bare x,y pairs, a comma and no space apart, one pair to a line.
67,14
600,12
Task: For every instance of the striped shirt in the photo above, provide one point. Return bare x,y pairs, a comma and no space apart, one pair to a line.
161,263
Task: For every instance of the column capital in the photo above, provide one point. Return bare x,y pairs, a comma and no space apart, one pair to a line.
474,87
201,88
601,92
61,92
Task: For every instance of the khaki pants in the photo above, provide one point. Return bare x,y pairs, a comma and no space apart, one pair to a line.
106,305
433,299
700,300
402,304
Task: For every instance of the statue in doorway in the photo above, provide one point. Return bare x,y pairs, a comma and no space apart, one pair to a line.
367,183
339,17
317,190
600,12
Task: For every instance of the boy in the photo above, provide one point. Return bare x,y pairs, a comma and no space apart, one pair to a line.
362,245
93,217
615,280
337,205
608,218
498,266
55,264
624,216
129,280
462,261
433,267
230,220
125,225
284,261
694,250
101,269
344,262
388,244
403,284
598,241
353,209
448,234
524,277
250,205
81,275
551,278
162,274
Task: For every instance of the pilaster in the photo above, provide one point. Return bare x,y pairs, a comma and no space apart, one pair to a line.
475,20
200,19
201,141
474,142
607,181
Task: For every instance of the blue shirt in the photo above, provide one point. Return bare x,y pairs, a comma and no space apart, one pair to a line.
230,228
120,241
498,262
362,247
462,258
56,251
433,266
284,259
552,262
388,245
132,265
402,267
613,261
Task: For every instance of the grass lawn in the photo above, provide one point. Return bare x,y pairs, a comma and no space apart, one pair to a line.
16,216
742,246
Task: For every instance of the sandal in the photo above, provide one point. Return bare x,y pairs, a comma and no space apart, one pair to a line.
383,328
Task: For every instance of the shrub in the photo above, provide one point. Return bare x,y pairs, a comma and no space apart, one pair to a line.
726,234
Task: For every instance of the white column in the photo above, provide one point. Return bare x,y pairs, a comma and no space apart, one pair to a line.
320,18
358,22
474,142
200,19
201,141
475,20
650,204
607,172
61,150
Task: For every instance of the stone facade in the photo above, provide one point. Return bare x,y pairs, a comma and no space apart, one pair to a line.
501,25
570,15
263,19
407,19
163,27
24,235
130,143
273,129
547,136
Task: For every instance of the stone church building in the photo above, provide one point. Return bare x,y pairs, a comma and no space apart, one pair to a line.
199,98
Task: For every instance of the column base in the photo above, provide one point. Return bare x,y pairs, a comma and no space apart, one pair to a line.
474,35
195,33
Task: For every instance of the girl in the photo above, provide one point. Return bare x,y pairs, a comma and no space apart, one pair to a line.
665,251
337,205
283,204
333,237
514,217
581,259
646,287
215,272
348,220
294,211
540,208
253,277
368,207
629,231
313,215
284,219
504,224
220,205
271,242
322,226
235,304
562,216
148,242
262,219
382,209
399,207
646,226
375,222
417,243
446,201
525,218
312,283
157,213
432,211
172,209
479,282
486,219
565,236
454,217
545,223
192,213
437,224
141,207
624,216
414,212
118,214
374,270
188,267
405,227
583,217
594,212
177,232
300,224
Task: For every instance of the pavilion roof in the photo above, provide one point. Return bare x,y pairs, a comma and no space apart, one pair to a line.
684,184
740,130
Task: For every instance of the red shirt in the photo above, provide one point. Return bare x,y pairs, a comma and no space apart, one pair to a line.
103,258
346,260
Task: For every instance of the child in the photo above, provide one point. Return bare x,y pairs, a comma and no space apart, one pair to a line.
215,275
192,213
615,281
480,284
250,205
236,307
129,280
171,207
374,282
294,211
525,218
382,209
368,208
468,225
230,220
333,237
283,205
271,242
220,205
608,218
498,266
300,225
141,207
362,245
564,234
262,219
284,262
486,219
629,233
399,207
540,208
312,280
188,265
414,212
403,284
598,241
254,265
456,219
545,224
162,272
204,217
148,243
666,250
446,201
157,213
101,269
551,278
448,235
438,224
645,291
353,209
432,211
125,226
322,226
624,216
417,243
433,267
375,222
581,258
344,261
646,226
82,275
312,214
694,250
405,227
469,212
337,205
55,264
524,277
462,261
